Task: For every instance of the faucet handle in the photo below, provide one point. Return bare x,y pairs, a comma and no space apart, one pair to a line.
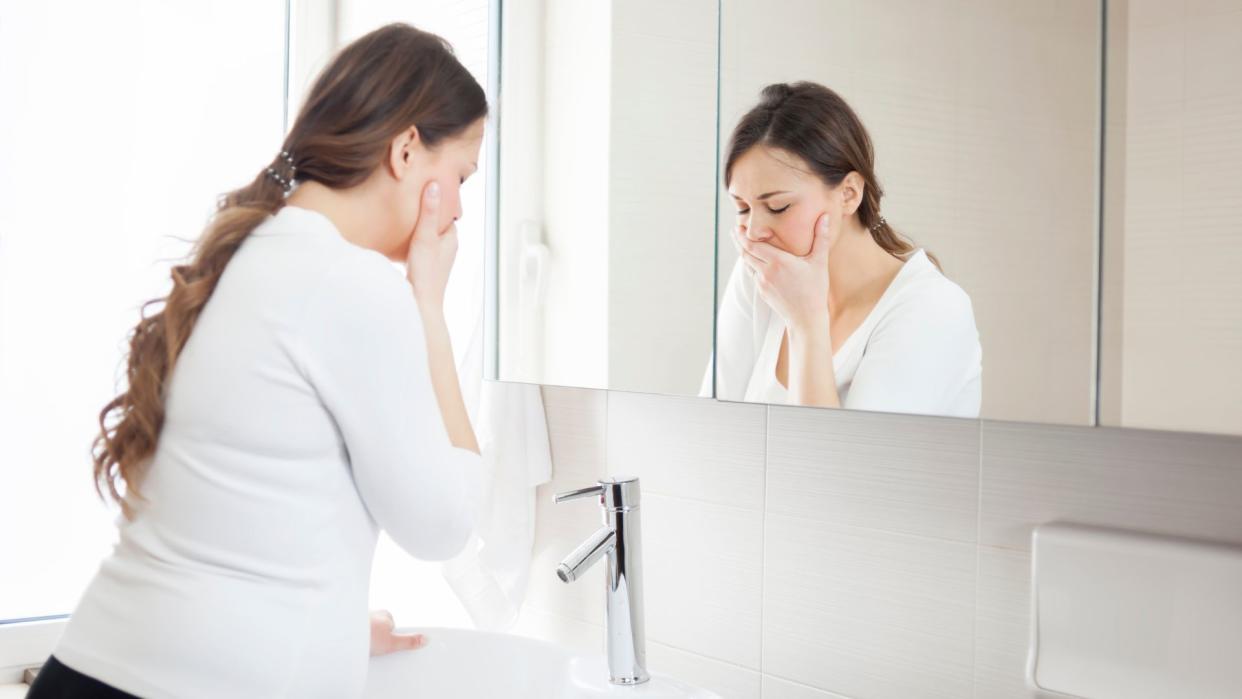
596,489
614,493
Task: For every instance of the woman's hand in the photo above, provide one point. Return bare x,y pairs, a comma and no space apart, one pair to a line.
384,640
795,287
432,251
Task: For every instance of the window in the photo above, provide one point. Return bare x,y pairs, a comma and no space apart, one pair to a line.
122,122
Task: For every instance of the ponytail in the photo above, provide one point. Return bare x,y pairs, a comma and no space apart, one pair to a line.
137,415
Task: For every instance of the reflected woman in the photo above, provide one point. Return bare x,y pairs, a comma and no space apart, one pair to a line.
828,305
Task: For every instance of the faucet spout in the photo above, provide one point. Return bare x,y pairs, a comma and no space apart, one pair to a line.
620,539
594,548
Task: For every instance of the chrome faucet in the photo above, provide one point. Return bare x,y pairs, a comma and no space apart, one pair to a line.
620,539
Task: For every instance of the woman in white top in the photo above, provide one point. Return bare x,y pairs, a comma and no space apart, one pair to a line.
828,305
295,394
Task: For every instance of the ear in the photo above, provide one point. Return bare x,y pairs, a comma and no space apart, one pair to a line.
401,151
852,189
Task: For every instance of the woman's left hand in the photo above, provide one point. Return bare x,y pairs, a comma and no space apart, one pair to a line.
385,640
795,286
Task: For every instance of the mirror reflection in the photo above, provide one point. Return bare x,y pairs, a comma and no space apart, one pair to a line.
828,304
606,218
1171,307
908,207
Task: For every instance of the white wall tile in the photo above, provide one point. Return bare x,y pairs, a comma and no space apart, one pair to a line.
577,418
574,634
1002,623
703,572
1166,482
863,578
897,473
867,613
689,447
777,688
582,599
727,680
576,421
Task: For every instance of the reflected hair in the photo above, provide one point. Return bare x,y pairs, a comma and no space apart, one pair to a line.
814,123
373,89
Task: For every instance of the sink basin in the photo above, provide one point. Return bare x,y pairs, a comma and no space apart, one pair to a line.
468,664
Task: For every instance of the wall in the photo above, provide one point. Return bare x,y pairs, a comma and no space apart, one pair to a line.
797,553
1176,316
984,117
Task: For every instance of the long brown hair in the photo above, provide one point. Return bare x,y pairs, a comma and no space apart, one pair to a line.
381,84
815,124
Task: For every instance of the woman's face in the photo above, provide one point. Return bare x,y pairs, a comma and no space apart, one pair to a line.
449,163
779,199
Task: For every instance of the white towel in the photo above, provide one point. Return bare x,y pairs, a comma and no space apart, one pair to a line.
489,576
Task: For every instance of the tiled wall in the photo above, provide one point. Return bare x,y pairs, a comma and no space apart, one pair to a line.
794,553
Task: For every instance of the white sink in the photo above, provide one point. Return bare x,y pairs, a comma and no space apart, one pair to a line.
467,664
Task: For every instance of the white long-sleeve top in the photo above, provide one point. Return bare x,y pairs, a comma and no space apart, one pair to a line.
300,419
917,351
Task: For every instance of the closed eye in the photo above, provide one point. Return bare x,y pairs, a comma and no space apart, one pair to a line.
781,210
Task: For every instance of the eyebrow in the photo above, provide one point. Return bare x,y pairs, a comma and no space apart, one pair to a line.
761,197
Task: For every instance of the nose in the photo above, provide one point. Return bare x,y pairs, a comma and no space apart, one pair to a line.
758,233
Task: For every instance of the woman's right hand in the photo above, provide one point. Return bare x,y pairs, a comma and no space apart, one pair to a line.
432,251
795,286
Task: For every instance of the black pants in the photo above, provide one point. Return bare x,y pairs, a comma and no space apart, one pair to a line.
57,681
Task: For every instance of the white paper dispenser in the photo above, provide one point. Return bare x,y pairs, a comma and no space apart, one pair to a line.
1125,615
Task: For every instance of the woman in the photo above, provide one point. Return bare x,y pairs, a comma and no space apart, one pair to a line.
293,395
828,305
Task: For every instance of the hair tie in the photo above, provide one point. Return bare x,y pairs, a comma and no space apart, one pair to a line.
286,182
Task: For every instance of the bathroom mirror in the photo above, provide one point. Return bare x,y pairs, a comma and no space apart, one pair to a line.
1171,300
605,218
984,120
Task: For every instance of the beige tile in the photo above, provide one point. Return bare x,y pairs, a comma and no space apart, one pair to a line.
689,447
777,688
1165,482
897,473
727,680
703,571
1002,623
577,418
1156,64
866,613
1207,8
576,423
1214,54
1145,13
